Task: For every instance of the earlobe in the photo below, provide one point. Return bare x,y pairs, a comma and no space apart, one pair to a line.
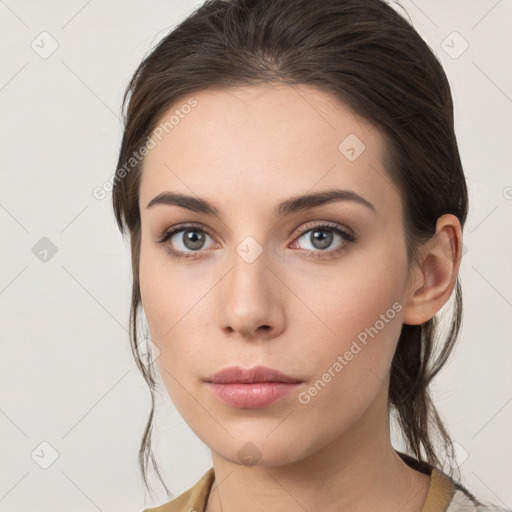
435,278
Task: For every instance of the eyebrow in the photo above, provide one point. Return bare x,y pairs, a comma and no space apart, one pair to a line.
292,205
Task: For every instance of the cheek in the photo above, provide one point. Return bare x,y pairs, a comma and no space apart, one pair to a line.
173,302
361,320
354,297
350,368
162,293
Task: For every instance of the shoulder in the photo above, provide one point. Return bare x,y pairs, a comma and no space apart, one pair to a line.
192,500
464,501
447,494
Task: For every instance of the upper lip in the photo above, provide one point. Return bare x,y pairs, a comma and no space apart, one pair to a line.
233,374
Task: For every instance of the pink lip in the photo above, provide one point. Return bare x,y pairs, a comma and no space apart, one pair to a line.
233,374
251,396
251,388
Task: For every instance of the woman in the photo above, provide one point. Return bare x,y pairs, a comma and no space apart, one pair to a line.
290,180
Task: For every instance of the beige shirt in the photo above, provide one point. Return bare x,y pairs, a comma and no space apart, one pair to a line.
441,493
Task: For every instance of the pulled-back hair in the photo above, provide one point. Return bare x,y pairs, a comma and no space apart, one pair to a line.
367,56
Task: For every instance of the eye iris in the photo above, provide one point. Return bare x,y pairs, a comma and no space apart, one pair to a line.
192,237
325,241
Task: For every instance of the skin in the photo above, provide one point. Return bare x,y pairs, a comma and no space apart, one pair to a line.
245,150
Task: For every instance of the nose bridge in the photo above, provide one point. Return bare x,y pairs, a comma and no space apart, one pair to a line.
248,299
248,277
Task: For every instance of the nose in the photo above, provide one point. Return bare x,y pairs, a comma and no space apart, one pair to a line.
251,299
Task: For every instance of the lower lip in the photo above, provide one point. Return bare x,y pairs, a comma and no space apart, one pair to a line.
251,396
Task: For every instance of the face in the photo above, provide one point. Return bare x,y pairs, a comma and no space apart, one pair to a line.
314,292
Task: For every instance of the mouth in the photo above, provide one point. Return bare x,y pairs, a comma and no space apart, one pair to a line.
251,388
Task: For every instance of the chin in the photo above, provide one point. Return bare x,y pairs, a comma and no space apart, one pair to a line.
259,450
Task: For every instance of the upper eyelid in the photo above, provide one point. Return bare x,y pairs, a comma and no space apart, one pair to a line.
326,224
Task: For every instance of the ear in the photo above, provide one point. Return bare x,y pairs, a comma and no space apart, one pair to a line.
432,283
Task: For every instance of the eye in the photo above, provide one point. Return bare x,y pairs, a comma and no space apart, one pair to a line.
185,240
322,236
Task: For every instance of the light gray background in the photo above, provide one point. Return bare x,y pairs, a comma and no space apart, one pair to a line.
67,376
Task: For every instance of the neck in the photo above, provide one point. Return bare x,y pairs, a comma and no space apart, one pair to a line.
357,471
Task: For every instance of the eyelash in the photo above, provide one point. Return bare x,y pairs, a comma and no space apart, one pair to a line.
327,226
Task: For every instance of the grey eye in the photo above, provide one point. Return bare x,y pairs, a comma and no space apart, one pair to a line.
191,239
319,238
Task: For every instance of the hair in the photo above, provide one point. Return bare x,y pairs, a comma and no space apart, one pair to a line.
367,56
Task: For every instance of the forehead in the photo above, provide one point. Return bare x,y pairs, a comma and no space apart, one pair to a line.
259,144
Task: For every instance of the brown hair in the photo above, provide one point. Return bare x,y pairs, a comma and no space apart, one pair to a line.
368,57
